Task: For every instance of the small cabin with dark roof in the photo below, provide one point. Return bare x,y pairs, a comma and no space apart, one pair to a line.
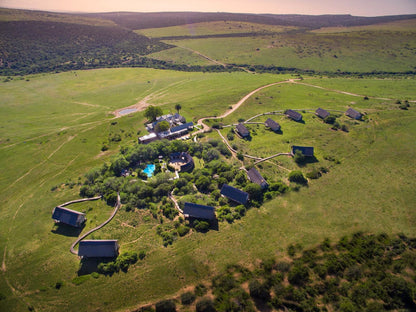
352,113
321,113
273,125
197,211
234,194
68,216
305,150
293,115
255,177
98,248
242,130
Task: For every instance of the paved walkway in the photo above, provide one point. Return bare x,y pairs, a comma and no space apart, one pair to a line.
118,205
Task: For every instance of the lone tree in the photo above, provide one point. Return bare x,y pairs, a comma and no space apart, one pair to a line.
178,107
162,126
152,112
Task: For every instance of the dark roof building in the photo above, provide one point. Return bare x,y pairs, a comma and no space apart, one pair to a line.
242,130
305,150
293,115
321,113
98,248
199,211
272,124
255,177
234,194
352,113
68,216
186,126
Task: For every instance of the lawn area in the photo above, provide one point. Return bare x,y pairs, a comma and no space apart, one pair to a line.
371,189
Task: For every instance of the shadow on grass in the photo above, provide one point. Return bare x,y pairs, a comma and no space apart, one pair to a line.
90,265
67,230
308,160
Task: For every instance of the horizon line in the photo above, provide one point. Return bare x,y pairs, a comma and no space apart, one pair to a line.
192,11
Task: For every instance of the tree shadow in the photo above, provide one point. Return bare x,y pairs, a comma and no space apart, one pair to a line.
213,224
67,230
90,265
261,305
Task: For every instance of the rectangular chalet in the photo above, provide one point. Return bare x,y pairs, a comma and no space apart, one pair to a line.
273,125
321,113
305,150
293,115
185,127
352,113
192,210
234,194
255,177
148,138
242,130
68,216
98,248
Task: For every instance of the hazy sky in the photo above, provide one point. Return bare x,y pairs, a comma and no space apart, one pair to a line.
354,7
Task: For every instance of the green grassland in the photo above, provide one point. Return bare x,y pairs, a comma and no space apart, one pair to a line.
53,127
389,48
405,25
212,28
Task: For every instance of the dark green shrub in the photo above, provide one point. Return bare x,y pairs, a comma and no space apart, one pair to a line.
258,290
166,306
330,119
201,226
299,275
299,158
183,230
205,305
297,177
200,290
188,298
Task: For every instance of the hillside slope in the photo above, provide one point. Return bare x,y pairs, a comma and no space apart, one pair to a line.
36,46
133,20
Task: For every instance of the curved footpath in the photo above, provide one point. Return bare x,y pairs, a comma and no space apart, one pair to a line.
79,201
118,205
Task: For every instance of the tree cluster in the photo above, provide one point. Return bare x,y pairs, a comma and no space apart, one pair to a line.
363,272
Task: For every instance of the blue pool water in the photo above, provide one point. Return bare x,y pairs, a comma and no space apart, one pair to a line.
150,168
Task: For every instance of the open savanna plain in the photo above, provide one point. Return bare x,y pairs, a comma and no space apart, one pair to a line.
53,127
387,47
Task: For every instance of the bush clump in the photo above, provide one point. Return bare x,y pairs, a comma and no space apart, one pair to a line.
297,177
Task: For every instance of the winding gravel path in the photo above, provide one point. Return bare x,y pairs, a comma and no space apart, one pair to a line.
118,205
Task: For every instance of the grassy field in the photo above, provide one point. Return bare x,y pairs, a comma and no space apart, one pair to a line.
212,28
387,47
372,189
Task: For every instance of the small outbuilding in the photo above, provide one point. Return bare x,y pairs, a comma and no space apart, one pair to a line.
148,138
234,194
293,115
197,211
255,177
242,130
68,216
306,151
321,113
98,248
352,113
273,125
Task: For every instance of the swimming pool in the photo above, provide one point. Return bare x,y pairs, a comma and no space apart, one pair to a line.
150,168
